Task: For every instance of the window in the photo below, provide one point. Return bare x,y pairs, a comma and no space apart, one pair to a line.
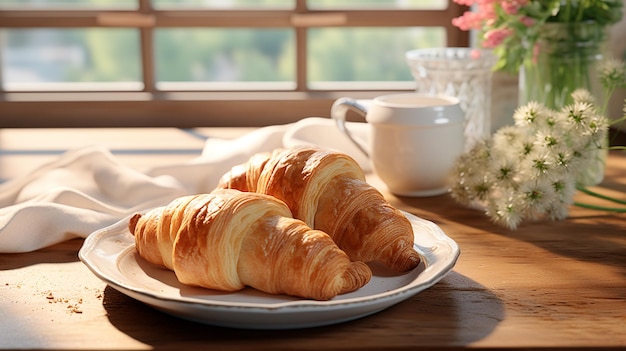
188,63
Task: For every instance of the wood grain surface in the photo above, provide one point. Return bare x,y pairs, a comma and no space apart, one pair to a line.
546,285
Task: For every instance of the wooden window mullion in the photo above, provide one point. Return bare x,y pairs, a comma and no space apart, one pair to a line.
301,59
146,37
301,49
147,59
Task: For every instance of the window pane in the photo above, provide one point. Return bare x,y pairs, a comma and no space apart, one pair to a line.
377,4
225,4
68,4
225,55
366,54
92,55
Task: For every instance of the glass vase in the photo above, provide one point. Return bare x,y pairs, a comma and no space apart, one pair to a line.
565,58
464,73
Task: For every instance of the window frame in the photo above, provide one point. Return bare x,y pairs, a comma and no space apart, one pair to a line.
190,108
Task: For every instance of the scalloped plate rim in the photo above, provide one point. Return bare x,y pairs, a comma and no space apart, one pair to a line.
439,255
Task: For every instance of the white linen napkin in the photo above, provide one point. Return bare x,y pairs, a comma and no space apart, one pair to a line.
87,189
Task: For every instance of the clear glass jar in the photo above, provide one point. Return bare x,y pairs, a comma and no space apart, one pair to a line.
565,57
465,73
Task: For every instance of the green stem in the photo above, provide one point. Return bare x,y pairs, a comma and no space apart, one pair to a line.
617,121
600,208
608,91
600,196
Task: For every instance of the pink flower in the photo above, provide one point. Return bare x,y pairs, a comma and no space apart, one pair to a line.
527,21
510,6
475,54
488,12
465,2
486,2
495,37
469,20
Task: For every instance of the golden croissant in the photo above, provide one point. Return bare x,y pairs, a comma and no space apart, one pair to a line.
327,190
228,239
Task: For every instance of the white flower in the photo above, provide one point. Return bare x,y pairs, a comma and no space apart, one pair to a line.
581,125
580,159
504,171
538,197
557,211
579,114
597,129
550,140
562,162
565,189
507,136
529,114
530,170
468,177
551,120
511,141
612,72
583,95
539,164
506,211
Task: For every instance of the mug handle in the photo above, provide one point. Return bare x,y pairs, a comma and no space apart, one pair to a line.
338,113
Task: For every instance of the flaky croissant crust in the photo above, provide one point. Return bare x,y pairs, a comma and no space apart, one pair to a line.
227,240
328,191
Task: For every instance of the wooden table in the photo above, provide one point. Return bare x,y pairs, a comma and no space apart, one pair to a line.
558,285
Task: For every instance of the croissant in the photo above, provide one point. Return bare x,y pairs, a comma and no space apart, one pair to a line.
327,190
227,239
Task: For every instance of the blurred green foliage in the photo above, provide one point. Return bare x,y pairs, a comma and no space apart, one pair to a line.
220,54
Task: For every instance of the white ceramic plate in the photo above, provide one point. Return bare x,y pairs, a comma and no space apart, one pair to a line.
110,254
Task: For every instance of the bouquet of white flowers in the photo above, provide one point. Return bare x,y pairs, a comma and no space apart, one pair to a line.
532,169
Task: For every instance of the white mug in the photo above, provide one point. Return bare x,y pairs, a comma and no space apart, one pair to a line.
415,139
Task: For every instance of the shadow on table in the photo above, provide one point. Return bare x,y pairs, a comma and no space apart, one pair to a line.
586,235
64,252
456,311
